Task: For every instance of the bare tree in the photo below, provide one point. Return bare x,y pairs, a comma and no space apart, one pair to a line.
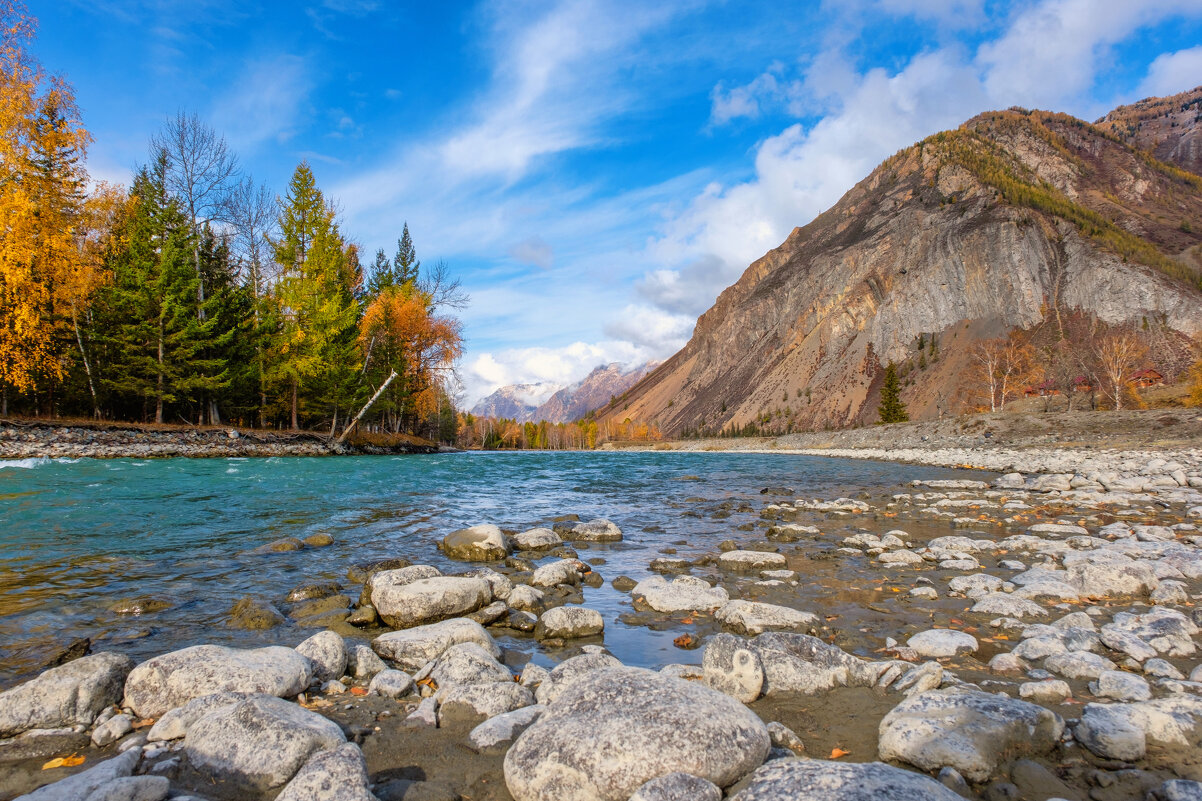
201,172
1118,353
253,211
443,290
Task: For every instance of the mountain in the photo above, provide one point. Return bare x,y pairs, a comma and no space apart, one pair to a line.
515,402
1167,127
592,392
1015,219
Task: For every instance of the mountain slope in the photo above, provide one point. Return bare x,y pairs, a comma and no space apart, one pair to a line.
592,392
515,402
966,235
1165,126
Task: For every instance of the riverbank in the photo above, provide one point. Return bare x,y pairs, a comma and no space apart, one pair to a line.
38,439
1014,637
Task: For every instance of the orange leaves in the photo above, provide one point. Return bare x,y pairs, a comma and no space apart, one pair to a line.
64,762
359,691
836,753
685,641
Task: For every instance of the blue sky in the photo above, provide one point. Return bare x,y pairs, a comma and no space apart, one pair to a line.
595,172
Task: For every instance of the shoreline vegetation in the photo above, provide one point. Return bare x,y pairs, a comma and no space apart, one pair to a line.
994,441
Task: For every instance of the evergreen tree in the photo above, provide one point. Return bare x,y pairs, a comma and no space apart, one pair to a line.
382,276
405,266
891,408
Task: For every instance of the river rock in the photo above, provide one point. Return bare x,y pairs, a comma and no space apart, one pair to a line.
799,663
1078,665
681,594
65,696
327,651
564,571
175,678
943,643
1108,729
429,600
1177,790
468,663
1098,576
1168,631
537,539
339,774
969,730
394,577
174,723
1120,686
617,728
142,605
252,614
525,599
362,662
308,592
483,543
599,530
1110,734
258,744
495,735
1048,691
783,779
569,622
392,684
730,666
83,784
677,786
752,617
413,648
112,730
461,703
1000,603
132,788
570,671
751,561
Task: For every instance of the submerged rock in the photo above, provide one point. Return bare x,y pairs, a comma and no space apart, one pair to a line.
569,622
750,561
969,730
618,728
65,696
175,678
599,530
783,779
537,539
254,615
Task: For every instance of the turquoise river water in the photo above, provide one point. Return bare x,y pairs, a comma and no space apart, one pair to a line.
76,537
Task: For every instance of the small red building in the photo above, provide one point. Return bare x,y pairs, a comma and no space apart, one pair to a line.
1147,378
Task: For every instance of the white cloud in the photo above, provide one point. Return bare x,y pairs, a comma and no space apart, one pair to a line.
1172,73
533,251
660,333
263,103
487,372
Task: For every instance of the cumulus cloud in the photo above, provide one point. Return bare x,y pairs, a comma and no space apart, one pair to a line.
1171,73
487,372
657,332
533,251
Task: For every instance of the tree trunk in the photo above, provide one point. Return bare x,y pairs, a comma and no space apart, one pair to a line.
158,401
366,406
295,425
86,366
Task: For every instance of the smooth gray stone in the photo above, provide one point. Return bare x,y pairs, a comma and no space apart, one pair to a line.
412,648
569,622
362,662
174,723
599,530
570,671
468,663
482,543
429,600
496,734
677,786
132,788
258,744
783,779
82,784
969,730
339,774
174,679
617,728
563,571
681,594
392,684
327,651
65,696
471,702
752,617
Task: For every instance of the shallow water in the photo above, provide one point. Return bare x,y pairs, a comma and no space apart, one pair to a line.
78,536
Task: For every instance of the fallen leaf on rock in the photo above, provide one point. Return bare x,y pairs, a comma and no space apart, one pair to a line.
64,762
838,752
358,691
687,620
685,641
141,724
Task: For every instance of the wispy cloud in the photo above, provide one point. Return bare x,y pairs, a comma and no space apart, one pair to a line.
264,103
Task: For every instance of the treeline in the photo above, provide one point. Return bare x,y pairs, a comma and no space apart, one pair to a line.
198,295
489,433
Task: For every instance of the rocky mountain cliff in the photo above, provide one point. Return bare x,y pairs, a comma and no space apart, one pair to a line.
1167,127
1013,217
565,404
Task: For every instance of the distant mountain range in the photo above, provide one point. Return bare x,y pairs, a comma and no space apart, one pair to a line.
1015,220
559,404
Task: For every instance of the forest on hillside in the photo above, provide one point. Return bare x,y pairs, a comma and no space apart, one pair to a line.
197,295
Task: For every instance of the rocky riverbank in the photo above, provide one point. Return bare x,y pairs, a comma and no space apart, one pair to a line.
47,440
1029,637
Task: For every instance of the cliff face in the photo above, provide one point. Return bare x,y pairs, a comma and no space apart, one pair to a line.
1167,127
592,392
964,236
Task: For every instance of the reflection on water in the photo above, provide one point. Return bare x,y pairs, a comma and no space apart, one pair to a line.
77,537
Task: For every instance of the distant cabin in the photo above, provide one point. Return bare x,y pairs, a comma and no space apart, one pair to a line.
1147,378
1081,384
1042,390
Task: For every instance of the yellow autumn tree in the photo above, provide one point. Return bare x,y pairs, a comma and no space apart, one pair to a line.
42,195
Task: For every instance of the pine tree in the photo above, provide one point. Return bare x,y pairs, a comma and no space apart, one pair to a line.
382,276
405,266
891,408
